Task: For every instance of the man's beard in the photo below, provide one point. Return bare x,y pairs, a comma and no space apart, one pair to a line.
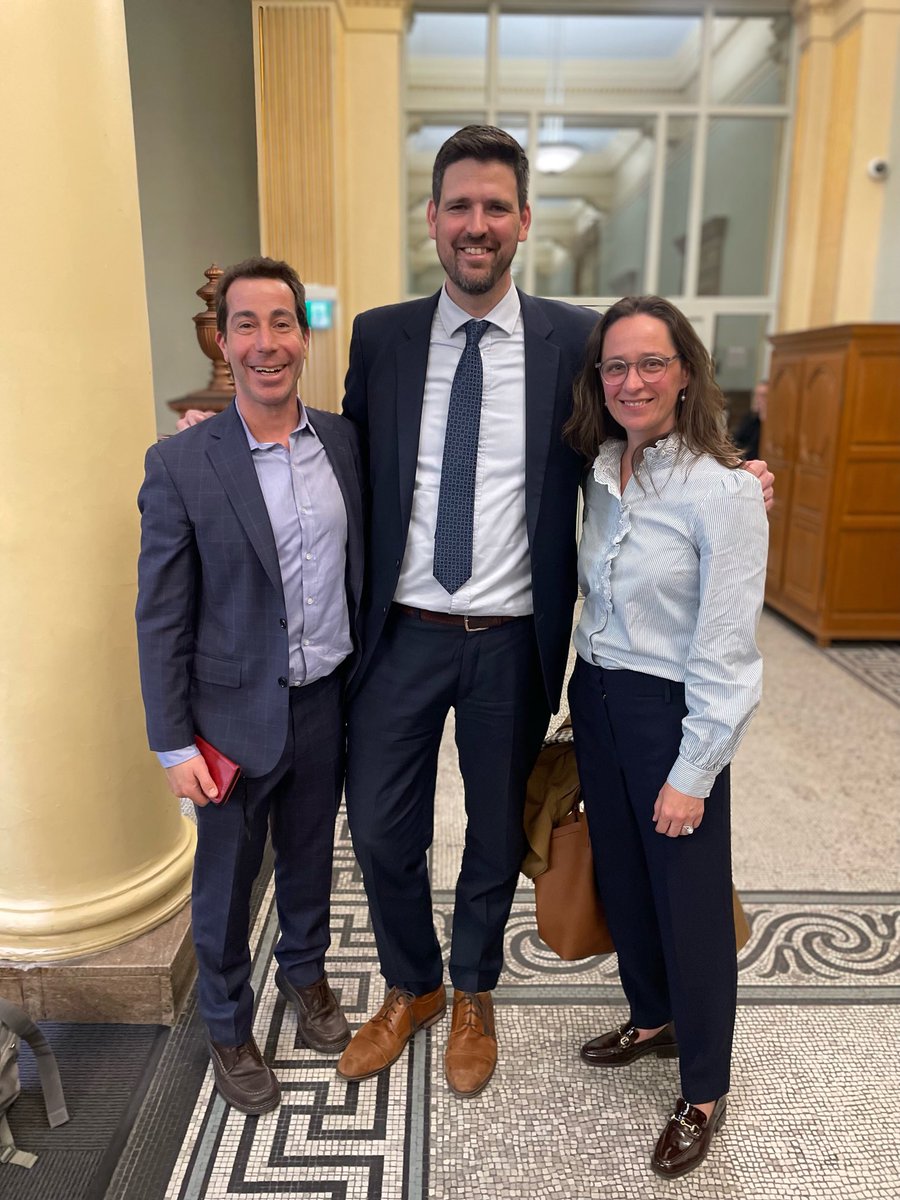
478,283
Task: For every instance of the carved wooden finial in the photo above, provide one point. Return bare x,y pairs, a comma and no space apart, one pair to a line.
218,392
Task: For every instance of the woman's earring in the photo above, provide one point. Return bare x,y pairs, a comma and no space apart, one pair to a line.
682,395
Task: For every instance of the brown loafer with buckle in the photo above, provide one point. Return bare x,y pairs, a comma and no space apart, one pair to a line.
243,1078
321,1023
380,1042
683,1143
471,1054
621,1047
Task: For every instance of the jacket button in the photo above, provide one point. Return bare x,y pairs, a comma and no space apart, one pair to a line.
283,623
282,682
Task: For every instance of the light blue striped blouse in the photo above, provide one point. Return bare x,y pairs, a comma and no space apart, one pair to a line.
672,573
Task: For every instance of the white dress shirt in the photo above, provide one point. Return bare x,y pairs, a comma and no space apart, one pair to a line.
673,572
500,584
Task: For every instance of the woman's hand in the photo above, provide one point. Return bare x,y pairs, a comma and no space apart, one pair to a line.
673,811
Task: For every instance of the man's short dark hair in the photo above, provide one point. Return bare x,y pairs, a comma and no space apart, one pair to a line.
259,267
485,143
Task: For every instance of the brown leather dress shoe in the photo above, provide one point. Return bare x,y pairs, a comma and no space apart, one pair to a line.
471,1054
380,1042
321,1023
685,1140
621,1047
244,1080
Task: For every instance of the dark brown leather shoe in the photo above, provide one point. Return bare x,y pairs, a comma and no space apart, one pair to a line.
471,1054
321,1023
621,1047
380,1042
244,1080
685,1140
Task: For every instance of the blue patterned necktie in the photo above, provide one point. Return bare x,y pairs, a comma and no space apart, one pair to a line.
456,502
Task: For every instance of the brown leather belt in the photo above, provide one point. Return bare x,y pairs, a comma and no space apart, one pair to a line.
470,624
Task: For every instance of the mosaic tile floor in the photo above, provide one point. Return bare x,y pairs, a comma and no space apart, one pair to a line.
814,1112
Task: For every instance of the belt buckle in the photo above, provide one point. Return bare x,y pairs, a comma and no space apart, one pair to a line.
476,628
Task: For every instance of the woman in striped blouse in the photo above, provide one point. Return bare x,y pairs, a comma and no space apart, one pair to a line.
672,566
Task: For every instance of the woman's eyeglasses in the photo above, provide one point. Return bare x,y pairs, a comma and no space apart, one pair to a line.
650,367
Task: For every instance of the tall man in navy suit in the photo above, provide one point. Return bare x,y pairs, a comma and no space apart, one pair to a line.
250,578
494,648
490,639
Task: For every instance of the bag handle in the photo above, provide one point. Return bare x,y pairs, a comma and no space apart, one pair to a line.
51,1084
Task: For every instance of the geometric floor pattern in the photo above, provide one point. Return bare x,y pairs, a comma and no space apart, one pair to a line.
876,664
814,1108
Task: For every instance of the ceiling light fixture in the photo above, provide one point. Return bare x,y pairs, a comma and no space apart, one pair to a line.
553,158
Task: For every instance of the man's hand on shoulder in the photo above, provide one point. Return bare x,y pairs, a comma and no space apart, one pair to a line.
193,416
193,780
766,478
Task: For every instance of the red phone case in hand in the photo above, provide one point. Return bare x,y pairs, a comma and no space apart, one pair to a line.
224,772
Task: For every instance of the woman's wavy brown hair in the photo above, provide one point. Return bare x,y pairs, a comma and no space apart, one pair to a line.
699,419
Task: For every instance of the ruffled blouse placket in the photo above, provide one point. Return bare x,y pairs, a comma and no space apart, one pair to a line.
607,473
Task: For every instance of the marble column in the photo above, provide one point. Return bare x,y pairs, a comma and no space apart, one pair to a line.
93,850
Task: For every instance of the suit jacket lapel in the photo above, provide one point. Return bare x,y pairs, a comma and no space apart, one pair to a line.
232,461
341,459
541,373
412,364
340,456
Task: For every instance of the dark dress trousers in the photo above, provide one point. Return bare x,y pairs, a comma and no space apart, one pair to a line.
213,646
503,683
667,900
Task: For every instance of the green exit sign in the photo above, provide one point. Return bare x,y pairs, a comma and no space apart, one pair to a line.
320,313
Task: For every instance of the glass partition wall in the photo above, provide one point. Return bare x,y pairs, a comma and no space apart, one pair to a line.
658,143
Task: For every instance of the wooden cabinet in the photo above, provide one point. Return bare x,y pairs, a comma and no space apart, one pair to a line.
832,437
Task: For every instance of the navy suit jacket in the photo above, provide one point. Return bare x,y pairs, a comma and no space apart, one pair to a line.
212,625
384,392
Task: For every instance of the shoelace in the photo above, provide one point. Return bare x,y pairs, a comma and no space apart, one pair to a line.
317,1001
473,1012
392,1005
248,1048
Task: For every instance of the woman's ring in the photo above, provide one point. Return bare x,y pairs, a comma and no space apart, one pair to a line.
687,829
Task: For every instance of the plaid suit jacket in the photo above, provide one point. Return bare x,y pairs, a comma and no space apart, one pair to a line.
212,638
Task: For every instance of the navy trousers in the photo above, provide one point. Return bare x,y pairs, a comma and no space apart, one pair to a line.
667,900
419,671
298,800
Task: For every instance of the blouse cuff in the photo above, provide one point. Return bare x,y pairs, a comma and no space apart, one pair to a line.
691,780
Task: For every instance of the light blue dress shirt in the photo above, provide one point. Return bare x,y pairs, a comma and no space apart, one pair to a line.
672,572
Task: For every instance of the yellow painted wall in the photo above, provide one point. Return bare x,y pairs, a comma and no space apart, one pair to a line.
837,215
865,212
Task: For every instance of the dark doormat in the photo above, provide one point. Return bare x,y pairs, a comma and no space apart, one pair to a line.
105,1070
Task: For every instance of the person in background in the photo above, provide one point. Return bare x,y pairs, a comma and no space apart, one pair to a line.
747,433
672,566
